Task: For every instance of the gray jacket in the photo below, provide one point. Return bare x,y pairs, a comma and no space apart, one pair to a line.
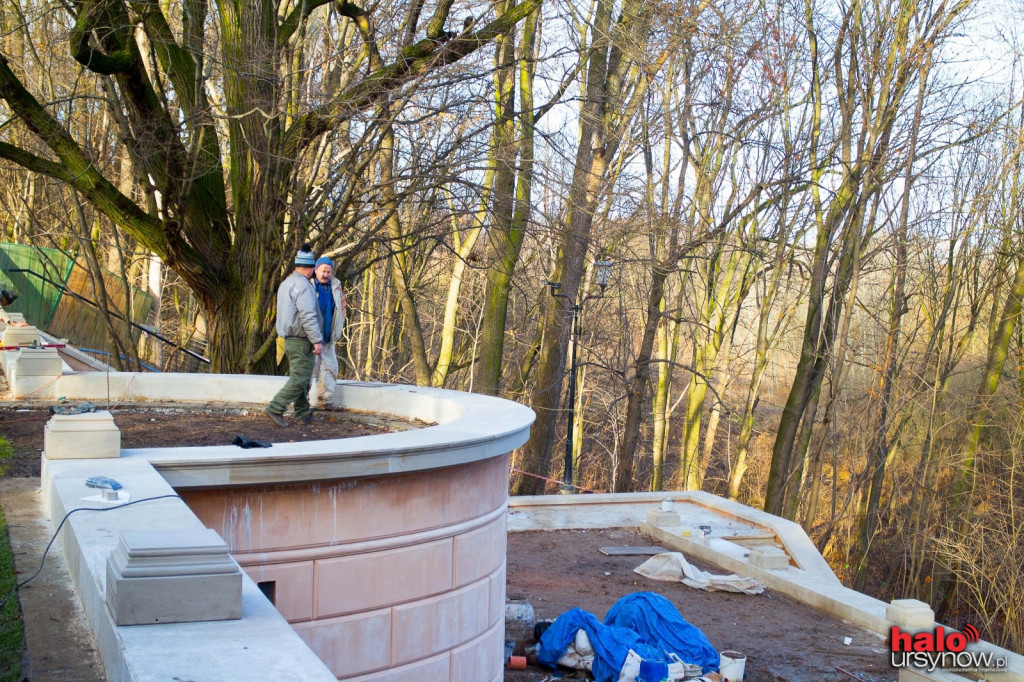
297,312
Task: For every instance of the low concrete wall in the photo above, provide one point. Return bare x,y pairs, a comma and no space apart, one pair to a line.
386,553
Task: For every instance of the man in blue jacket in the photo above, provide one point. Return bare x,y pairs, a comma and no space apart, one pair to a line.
331,300
300,325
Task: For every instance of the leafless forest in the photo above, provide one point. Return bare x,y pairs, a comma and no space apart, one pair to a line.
812,210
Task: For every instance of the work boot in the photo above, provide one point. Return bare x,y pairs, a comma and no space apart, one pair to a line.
308,419
275,417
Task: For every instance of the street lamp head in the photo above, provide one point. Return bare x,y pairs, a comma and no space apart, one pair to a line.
554,285
604,271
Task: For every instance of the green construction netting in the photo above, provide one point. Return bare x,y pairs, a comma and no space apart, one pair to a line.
37,297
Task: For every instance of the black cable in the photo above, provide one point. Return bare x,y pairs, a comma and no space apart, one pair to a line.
61,525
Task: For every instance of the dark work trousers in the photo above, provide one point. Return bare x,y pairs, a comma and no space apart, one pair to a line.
300,372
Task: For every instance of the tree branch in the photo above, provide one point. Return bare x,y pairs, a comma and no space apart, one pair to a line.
176,61
77,169
291,23
435,27
36,164
415,60
118,61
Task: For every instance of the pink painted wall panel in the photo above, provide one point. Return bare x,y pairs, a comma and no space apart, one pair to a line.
440,623
436,669
293,587
479,552
481,659
351,645
366,581
496,609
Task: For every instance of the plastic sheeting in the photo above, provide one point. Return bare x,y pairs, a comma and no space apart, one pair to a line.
644,623
673,567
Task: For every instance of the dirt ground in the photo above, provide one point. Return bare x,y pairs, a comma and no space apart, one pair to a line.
782,639
170,426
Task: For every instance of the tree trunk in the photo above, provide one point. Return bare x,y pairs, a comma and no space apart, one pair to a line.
605,113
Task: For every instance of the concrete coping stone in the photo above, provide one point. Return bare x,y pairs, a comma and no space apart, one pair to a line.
172,553
466,428
100,420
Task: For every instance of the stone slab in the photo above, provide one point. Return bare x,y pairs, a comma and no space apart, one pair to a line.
632,551
92,435
38,362
769,558
910,613
20,336
178,576
173,599
663,519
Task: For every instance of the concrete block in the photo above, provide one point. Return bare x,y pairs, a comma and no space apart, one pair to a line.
769,558
20,336
909,613
37,362
663,519
172,577
92,435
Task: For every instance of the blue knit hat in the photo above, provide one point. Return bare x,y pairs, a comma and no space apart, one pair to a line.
324,260
305,258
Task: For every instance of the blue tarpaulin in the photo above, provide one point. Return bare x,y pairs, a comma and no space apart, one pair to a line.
645,622
658,622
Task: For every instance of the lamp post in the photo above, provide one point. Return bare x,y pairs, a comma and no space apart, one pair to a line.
604,268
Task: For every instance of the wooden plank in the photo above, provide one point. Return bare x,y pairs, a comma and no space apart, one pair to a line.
632,551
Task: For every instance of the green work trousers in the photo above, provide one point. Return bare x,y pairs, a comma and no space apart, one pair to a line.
300,372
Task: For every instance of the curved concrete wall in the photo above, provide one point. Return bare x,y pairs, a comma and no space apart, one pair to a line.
386,553
388,578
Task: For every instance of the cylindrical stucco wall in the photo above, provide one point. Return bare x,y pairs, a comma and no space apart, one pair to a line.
387,578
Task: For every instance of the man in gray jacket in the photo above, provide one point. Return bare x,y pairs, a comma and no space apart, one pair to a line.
299,324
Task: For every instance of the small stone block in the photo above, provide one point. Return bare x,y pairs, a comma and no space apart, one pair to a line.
663,519
92,435
37,362
769,558
173,577
20,336
909,613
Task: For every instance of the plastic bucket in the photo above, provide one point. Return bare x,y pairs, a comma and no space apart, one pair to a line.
731,664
